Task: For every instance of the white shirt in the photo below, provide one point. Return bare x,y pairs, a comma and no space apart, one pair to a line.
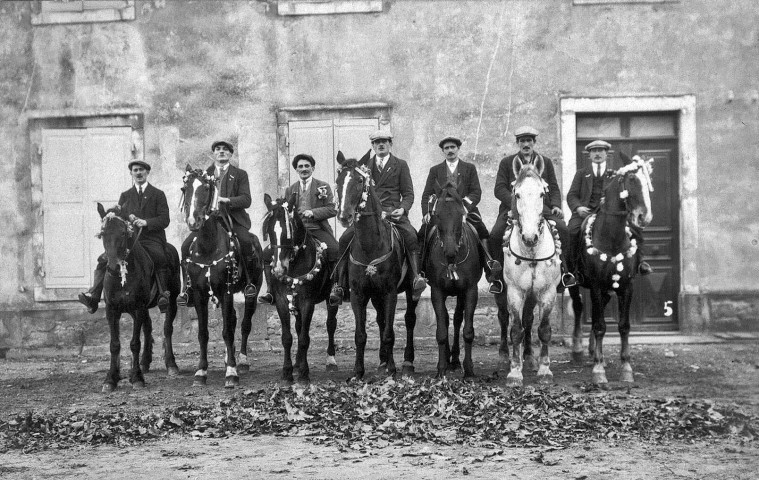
595,168
144,186
452,165
308,184
220,169
381,161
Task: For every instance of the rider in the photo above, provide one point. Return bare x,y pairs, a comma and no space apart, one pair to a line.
526,138
234,197
316,206
463,175
584,198
393,185
145,206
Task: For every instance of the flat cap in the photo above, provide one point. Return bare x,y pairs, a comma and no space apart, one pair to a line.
142,164
225,143
380,135
303,156
597,144
450,138
525,131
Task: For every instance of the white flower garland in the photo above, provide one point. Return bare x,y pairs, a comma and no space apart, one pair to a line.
293,283
614,259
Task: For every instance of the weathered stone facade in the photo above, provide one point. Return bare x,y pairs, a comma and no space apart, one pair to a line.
196,71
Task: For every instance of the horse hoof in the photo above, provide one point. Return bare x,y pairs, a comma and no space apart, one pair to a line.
138,385
304,381
232,382
469,376
546,379
382,367
331,367
243,368
172,372
578,358
286,383
600,379
108,388
408,370
513,382
145,368
454,366
626,377
199,381
531,363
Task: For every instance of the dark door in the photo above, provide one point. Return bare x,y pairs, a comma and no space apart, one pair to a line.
654,306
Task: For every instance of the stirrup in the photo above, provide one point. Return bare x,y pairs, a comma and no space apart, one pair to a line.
266,299
163,302
250,291
336,296
644,268
496,287
568,280
183,299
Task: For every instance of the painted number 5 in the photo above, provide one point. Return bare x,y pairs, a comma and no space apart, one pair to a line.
668,308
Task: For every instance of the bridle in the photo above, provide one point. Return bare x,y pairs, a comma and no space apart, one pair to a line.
127,233
516,217
186,201
434,205
360,210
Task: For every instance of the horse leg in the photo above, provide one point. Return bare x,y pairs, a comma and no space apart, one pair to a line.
626,374
359,303
243,364
201,308
168,331
229,320
501,302
135,373
458,319
388,334
331,328
441,335
544,334
287,342
599,300
304,340
379,308
410,320
577,356
470,303
114,371
528,318
147,351
516,304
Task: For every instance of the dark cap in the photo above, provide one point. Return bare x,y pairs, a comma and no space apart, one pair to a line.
525,131
223,142
144,165
597,144
303,156
450,138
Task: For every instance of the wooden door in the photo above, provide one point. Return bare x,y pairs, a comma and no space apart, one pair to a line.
654,305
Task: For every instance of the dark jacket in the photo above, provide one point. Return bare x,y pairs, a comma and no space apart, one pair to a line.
582,188
154,210
237,189
505,178
322,204
393,186
468,184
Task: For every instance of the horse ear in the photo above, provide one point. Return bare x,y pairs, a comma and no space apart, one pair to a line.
293,199
267,201
517,165
540,164
340,157
101,210
188,168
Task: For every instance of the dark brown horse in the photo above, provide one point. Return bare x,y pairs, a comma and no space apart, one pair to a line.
213,270
376,271
300,280
608,261
453,268
128,287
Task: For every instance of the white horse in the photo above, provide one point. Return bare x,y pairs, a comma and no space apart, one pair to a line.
532,268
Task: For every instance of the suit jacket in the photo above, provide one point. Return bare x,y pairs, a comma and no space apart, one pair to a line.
582,188
237,188
393,186
323,208
505,178
468,184
154,210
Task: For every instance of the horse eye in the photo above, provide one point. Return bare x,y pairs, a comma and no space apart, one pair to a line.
516,195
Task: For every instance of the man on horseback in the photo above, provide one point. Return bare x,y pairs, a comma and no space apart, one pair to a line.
145,206
392,179
526,138
584,198
464,176
316,206
234,197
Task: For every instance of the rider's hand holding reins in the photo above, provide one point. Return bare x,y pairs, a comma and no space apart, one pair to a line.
397,213
138,222
557,212
582,211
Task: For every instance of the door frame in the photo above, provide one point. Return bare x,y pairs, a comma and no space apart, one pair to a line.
687,175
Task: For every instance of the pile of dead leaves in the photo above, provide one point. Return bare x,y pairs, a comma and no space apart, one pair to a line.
393,412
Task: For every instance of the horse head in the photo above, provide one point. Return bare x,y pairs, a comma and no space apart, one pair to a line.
629,192
527,202
354,184
449,215
199,197
285,231
115,233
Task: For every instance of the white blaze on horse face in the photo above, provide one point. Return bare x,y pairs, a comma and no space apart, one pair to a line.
193,202
530,208
344,193
277,235
643,214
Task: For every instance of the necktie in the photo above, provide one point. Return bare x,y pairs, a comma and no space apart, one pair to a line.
598,170
303,187
381,163
139,195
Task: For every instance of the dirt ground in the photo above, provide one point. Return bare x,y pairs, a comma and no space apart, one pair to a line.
62,381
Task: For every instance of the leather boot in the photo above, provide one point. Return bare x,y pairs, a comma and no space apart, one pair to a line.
267,298
91,298
185,299
250,291
162,277
493,268
419,284
340,287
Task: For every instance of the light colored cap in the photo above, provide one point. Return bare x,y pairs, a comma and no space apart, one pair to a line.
450,138
379,135
597,144
525,131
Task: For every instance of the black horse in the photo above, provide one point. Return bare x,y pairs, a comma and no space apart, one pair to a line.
452,264
128,287
300,280
608,261
377,272
214,273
